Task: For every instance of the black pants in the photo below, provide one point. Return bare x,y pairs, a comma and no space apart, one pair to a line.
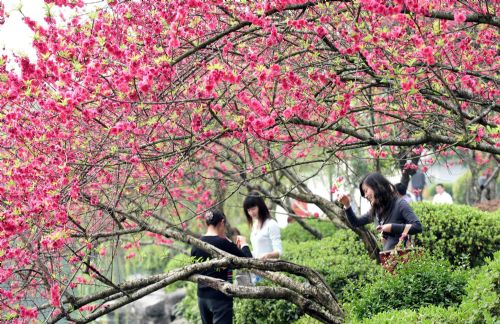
216,311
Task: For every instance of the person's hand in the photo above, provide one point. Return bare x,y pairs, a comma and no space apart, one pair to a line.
345,200
384,228
241,241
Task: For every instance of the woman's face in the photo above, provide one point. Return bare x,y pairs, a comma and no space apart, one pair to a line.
253,212
369,194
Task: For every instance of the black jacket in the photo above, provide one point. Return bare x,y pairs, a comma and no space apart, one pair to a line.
224,274
399,214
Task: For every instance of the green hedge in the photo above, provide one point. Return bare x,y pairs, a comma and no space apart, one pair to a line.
461,188
480,305
294,232
265,311
188,306
463,234
423,281
341,259
177,261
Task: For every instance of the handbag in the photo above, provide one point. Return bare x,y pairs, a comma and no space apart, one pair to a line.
402,252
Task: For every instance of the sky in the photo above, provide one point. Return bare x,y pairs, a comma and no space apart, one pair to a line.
15,36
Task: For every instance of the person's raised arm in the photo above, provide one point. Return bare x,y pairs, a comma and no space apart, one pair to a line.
351,217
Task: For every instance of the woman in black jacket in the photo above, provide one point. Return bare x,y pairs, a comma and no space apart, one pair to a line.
216,307
391,212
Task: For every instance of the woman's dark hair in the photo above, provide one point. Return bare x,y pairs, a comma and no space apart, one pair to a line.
214,217
384,192
255,199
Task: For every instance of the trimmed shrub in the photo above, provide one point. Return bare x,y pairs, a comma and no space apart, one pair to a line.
296,233
430,314
178,261
251,311
341,259
460,233
480,305
423,281
188,306
461,189
306,319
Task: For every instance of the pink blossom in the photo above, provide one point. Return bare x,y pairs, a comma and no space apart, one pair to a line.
27,313
459,17
408,85
321,32
129,256
55,295
288,113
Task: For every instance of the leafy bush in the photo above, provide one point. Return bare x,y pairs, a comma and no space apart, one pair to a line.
188,306
251,311
341,259
461,189
178,261
429,314
424,281
480,305
306,319
459,232
296,233
149,259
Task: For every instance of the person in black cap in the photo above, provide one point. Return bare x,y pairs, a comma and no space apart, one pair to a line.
401,188
216,307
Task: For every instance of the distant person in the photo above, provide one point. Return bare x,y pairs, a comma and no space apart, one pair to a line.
265,235
485,190
418,184
401,188
216,307
391,212
441,196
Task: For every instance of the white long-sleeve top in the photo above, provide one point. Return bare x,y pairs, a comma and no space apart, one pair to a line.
266,239
442,198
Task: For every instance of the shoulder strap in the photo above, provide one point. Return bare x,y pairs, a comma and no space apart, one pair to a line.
403,236
406,230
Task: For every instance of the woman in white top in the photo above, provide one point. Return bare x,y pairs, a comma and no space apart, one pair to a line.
265,235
